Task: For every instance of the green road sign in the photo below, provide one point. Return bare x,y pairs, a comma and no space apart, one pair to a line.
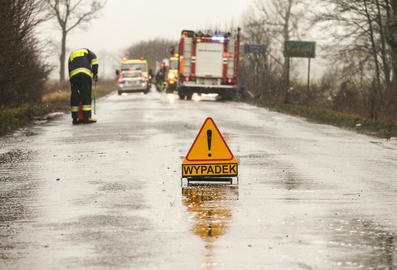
306,49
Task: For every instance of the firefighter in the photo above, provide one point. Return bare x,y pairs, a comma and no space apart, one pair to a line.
83,68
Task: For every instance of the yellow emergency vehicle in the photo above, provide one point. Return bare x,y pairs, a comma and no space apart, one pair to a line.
172,74
133,76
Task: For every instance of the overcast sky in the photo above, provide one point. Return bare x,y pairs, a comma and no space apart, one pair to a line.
124,22
128,21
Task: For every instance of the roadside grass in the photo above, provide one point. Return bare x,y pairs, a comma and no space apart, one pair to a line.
331,117
15,116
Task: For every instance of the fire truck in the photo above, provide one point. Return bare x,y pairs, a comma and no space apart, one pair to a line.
208,63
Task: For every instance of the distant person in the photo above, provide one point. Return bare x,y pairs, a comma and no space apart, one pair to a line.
83,68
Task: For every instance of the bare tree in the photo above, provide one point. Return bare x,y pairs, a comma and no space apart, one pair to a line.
360,43
255,69
70,14
381,18
282,18
392,39
274,22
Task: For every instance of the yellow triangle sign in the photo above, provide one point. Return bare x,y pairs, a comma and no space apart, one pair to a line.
209,154
209,145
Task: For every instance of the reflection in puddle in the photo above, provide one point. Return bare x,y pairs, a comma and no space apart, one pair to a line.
291,181
211,213
210,209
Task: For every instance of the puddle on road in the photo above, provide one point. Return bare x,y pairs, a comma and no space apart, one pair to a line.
362,244
14,156
17,186
210,212
14,204
16,209
114,241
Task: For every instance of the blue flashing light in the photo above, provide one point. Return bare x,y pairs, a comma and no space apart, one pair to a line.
218,38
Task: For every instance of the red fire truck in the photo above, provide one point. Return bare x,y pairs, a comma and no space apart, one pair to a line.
208,63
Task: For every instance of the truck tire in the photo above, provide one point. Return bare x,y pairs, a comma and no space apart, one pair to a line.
228,95
181,94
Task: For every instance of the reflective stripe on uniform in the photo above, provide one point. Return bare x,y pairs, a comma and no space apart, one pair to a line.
94,62
80,70
86,108
75,108
77,53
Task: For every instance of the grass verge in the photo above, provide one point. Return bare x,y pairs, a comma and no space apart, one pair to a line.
331,117
14,117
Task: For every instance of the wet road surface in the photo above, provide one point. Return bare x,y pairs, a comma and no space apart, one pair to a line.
108,195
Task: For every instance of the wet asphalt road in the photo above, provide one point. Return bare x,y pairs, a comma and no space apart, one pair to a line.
108,195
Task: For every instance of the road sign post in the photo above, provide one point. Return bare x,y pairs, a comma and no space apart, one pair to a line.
255,51
301,49
308,77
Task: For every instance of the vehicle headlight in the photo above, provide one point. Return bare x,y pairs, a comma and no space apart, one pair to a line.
171,76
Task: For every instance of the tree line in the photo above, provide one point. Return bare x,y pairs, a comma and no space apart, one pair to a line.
358,38
153,51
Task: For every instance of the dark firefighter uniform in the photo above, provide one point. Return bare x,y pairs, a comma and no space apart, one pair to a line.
83,67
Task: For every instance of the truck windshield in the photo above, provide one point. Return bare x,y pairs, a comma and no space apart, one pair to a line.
138,66
173,64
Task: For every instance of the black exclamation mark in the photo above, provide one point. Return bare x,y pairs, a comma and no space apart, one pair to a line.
209,138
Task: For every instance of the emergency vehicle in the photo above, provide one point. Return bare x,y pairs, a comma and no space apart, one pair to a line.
209,63
172,73
133,76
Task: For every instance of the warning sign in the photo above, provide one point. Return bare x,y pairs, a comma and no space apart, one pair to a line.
209,145
209,154
190,170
